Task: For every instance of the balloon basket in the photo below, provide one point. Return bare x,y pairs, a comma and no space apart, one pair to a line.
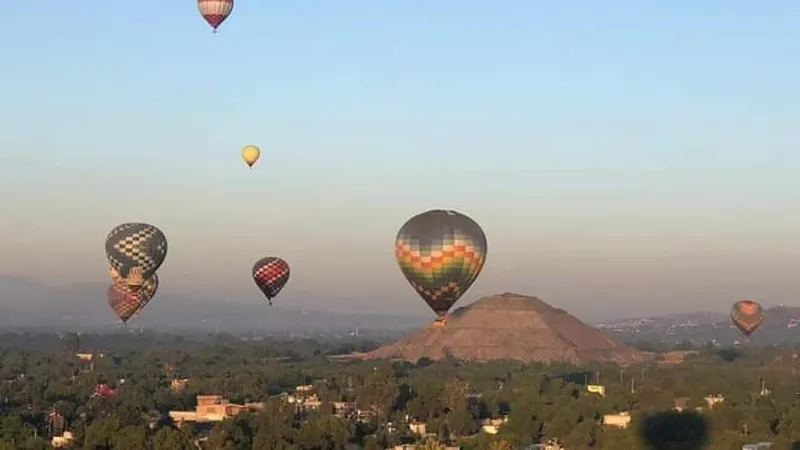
440,323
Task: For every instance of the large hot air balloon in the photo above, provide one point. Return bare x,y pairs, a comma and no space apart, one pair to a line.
747,315
270,274
135,251
215,11
441,253
250,155
125,302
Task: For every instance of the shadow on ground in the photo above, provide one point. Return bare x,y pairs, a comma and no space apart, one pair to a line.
673,430
729,354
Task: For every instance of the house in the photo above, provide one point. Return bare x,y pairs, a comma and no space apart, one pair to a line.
344,409
62,441
759,446
213,408
492,426
179,384
419,428
619,420
414,446
712,400
549,445
677,356
682,403
596,389
310,403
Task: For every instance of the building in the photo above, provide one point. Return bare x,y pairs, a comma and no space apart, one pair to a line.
682,403
179,384
344,409
759,446
677,356
492,426
712,400
596,389
62,440
550,445
619,420
419,428
213,408
414,446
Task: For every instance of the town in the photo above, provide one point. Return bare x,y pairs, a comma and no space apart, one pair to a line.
161,392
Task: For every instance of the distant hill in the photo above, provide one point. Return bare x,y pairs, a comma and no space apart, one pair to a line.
511,327
27,303
780,327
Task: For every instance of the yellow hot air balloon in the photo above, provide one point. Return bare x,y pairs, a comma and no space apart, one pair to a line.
250,155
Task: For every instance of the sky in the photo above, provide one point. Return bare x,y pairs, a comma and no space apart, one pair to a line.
623,157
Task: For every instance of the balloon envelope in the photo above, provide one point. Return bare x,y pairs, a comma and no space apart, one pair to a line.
271,274
135,251
250,155
126,302
747,316
441,253
215,11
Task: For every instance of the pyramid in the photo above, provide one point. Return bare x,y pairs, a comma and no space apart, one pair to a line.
511,327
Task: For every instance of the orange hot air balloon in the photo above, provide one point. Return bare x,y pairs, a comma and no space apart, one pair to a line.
747,316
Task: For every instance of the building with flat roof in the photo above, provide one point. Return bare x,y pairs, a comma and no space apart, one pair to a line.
213,408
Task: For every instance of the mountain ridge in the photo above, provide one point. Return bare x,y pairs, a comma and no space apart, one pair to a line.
27,303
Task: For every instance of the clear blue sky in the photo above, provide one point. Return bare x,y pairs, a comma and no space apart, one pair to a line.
619,154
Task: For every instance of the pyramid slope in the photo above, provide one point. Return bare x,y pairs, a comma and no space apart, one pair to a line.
512,327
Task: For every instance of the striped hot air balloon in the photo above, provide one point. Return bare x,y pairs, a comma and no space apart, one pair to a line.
215,11
126,302
271,274
747,316
441,253
135,251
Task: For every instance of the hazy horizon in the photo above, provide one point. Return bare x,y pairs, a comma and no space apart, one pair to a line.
628,157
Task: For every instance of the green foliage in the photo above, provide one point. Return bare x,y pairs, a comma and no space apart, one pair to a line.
453,399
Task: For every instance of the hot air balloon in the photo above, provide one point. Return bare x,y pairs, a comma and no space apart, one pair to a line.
135,251
250,155
125,302
215,11
747,315
270,274
441,253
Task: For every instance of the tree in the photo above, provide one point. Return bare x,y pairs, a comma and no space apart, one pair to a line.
431,444
131,438
101,434
378,394
168,438
500,444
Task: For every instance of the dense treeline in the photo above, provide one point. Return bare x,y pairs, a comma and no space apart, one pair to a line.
453,399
